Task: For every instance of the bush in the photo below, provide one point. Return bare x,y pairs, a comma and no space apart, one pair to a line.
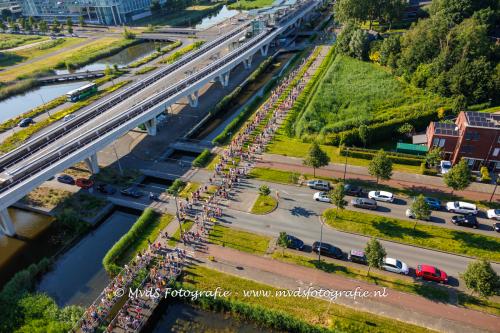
485,175
264,190
426,171
121,246
395,157
176,187
155,55
178,54
203,159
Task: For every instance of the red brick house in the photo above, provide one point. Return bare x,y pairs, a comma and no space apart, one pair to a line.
475,136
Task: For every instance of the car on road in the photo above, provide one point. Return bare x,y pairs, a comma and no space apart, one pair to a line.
132,192
381,196
318,184
493,214
328,250
357,256
26,122
66,179
68,117
496,226
395,266
353,190
84,183
294,242
411,214
364,203
444,167
461,207
322,196
431,273
106,189
465,221
434,204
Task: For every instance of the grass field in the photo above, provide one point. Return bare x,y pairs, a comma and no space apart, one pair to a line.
428,236
313,311
10,41
188,189
239,239
264,205
354,92
250,4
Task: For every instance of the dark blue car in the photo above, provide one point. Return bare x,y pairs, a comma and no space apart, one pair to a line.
295,243
66,179
433,203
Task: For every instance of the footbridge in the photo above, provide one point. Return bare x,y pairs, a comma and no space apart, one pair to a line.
29,166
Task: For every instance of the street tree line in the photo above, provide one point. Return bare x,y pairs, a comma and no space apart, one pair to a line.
31,24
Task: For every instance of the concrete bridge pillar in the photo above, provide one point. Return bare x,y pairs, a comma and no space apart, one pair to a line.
247,63
193,99
224,79
151,126
6,225
264,49
92,164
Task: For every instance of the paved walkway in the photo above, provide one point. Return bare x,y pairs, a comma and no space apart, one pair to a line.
405,307
409,181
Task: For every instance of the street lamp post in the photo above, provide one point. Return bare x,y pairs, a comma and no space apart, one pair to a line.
118,160
43,103
494,189
345,164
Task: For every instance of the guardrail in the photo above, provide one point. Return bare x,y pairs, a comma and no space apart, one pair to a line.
40,163
33,146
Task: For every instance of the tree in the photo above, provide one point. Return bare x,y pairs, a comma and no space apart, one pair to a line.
458,178
434,156
316,158
420,209
264,190
155,7
363,133
389,50
406,129
6,13
56,26
359,44
108,70
3,27
81,21
127,34
481,278
283,241
380,166
43,27
337,196
347,10
375,254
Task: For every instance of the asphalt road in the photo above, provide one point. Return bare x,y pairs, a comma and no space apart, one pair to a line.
298,215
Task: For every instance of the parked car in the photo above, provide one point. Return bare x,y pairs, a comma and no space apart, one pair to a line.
68,117
444,167
328,250
357,256
84,183
431,273
322,196
66,179
364,203
465,221
395,266
317,184
295,243
434,204
132,192
381,196
496,226
410,214
26,122
353,190
493,214
106,189
461,207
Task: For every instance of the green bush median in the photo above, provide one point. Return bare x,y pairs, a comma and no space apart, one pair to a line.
428,236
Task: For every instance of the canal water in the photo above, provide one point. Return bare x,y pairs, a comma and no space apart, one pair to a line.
19,104
31,245
78,276
121,59
216,18
183,318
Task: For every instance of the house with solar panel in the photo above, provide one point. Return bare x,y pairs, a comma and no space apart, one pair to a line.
473,136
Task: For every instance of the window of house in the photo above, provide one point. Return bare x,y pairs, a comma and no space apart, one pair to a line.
435,142
496,151
468,136
442,142
470,162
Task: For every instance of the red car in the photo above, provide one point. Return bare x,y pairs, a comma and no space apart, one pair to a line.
431,273
84,183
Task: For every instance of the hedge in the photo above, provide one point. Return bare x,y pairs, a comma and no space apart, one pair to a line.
366,154
202,160
155,55
176,187
121,246
178,54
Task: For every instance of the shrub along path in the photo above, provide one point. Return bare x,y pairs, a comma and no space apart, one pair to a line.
403,180
401,306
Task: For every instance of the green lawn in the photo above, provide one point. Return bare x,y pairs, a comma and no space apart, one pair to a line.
401,283
250,4
264,204
150,233
176,237
239,239
313,311
145,69
10,41
433,237
282,177
188,189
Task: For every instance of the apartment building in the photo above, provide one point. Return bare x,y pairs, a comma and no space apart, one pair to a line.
474,136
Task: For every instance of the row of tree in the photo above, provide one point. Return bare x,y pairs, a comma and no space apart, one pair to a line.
31,24
452,52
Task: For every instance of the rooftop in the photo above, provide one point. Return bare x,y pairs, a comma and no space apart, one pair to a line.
480,119
445,129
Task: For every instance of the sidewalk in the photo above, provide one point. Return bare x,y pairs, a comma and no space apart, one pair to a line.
408,181
398,305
